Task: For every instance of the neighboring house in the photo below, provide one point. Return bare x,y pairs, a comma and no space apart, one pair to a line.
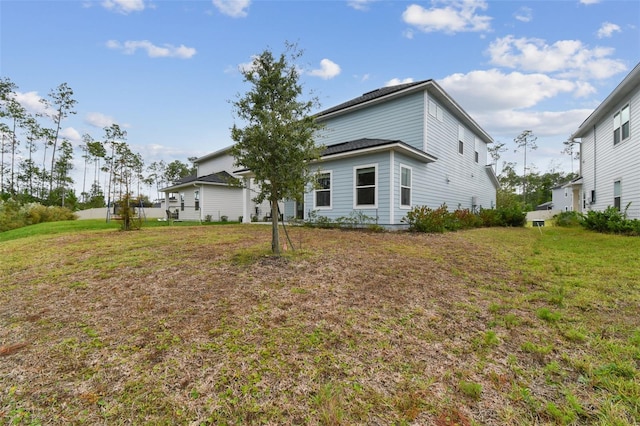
610,152
395,148
562,197
211,194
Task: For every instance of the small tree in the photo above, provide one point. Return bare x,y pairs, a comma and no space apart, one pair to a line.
277,143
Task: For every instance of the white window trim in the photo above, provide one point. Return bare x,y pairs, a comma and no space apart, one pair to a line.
618,113
461,135
406,206
355,189
315,200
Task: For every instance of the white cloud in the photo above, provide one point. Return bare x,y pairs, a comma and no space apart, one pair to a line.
588,2
124,6
166,51
456,16
524,14
360,4
493,90
607,29
568,58
396,81
328,69
97,119
32,102
233,8
71,134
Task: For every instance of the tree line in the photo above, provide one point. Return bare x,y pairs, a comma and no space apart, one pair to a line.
36,160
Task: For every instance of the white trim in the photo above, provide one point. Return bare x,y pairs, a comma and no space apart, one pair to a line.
330,206
392,169
404,149
355,192
406,206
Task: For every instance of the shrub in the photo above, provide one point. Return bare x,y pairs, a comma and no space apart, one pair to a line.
16,215
611,220
568,219
426,219
512,215
489,217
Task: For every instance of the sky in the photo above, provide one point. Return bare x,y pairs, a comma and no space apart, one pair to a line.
167,71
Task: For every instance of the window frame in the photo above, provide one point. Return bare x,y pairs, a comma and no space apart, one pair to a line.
622,122
461,134
409,187
617,194
330,190
375,185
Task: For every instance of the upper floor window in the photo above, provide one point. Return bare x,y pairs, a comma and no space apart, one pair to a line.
460,139
477,150
322,196
365,186
621,125
405,186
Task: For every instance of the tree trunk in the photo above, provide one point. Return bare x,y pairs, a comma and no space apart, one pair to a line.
275,240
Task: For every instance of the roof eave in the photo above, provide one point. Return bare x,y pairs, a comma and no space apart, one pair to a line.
401,148
619,93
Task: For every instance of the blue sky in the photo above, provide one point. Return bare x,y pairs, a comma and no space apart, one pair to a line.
167,70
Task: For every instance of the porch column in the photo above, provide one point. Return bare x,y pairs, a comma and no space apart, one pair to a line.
246,200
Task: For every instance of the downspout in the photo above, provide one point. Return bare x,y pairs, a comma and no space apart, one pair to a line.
594,164
392,206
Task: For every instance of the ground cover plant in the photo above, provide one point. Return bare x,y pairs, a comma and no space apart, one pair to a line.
198,325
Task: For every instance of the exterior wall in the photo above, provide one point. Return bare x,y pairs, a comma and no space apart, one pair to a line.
456,178
562,199
342,188
223,162
221,201
602,163
396,119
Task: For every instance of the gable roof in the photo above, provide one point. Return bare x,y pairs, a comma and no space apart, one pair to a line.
365,145
385,94
220,178
371,96
620,93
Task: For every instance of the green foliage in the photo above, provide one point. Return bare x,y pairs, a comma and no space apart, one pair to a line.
277,144
14,214
470,389
568,219
611,221
426,219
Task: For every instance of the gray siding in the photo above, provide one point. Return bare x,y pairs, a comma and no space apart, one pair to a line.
602,163
343,188
222,163
398,119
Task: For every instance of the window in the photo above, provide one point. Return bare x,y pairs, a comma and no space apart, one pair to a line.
323,190
617,193
196,197
477,150
365,186
182,201
436,111
460,140
405,186
621,125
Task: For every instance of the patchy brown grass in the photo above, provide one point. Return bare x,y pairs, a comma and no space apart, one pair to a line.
198,325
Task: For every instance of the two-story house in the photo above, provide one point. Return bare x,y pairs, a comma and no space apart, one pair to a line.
610,152
213,193
395,148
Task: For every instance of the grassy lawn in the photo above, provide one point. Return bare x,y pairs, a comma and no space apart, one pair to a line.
197,325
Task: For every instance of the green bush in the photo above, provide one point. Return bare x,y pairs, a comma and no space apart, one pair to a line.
612,221
568,219
426,219
15,215
512,215
489,217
